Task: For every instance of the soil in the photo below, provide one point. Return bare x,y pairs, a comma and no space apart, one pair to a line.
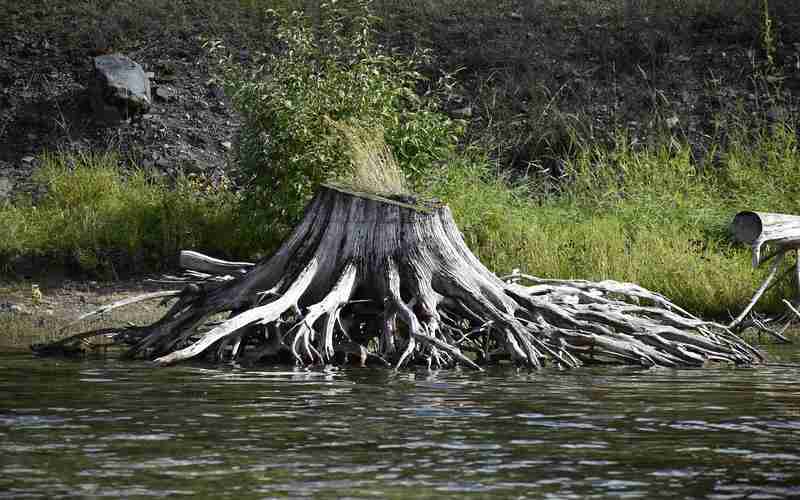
541,79
26,318
44,102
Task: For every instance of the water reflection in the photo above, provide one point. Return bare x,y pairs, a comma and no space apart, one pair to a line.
106,428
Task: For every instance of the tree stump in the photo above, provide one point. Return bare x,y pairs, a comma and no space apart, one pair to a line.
389,280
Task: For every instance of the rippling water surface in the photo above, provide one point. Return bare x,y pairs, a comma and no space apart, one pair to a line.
105,428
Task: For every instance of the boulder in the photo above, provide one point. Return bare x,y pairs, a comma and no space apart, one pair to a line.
119,89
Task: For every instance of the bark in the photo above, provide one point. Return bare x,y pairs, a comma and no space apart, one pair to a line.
371,279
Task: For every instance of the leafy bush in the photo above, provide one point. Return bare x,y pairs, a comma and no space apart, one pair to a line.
324,71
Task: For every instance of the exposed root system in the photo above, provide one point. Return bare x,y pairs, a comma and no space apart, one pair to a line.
371,279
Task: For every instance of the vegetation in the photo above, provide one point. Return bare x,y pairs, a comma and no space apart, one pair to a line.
646,216
537,175
100,219
322,74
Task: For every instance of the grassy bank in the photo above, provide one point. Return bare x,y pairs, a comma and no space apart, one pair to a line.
646,216
590,164
101,216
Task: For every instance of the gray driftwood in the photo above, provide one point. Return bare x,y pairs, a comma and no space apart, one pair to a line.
758,229
383,280
779,232
195,261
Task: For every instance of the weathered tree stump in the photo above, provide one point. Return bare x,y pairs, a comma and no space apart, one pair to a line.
389,280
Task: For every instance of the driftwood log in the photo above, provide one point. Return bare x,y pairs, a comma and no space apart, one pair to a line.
781,234
389,280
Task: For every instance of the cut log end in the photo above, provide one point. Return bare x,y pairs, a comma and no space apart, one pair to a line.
746,227
368,280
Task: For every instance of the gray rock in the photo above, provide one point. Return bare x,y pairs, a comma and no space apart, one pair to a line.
216,91
120,89
776,114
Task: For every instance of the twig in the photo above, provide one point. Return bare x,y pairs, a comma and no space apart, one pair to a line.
772,271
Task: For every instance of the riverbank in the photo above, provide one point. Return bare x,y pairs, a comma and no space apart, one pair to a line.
591,139
28,318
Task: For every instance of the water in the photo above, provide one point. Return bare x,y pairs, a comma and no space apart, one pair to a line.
105,428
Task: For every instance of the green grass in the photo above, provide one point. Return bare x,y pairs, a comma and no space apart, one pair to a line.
101,218
646,216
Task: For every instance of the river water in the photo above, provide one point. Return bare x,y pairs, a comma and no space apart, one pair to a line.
106,428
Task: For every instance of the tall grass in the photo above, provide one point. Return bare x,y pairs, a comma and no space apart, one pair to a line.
373,165
643,215
101,220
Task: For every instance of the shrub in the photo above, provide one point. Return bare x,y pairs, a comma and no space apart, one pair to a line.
319,73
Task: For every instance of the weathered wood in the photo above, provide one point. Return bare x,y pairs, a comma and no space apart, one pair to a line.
430,300
780,231
196,261
761,228
773,270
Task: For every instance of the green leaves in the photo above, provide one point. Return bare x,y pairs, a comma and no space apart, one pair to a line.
329,67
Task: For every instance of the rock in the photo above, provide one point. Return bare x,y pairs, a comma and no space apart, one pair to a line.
216,91
119,90
776,114
516,16
227,145
11,308
28,159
